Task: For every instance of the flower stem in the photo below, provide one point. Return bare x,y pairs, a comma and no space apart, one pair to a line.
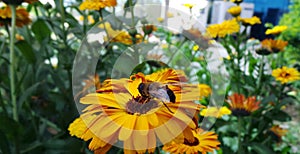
239,135
260,72
132,13
12,63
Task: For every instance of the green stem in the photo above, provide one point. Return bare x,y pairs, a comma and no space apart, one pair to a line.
178,49
12,63
239,135
132,13
261,68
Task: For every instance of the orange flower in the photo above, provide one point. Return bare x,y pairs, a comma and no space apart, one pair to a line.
22,16
277,132
272,46
241,106
97,4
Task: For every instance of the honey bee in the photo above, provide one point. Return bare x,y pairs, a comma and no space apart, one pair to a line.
156,90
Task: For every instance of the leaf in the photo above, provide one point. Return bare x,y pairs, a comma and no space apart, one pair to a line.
41,30
269,99
27,93
11,128
4,146
261,149
26,50
278,115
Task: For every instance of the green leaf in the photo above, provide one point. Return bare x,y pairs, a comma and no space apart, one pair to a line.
9,127
278,115
41,30
261,149
4,146
26,50
28,92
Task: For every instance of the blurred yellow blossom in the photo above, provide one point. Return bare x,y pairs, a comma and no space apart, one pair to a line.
225,28
285,74
276,30
97,4
22,16
235,10
250,21
215,112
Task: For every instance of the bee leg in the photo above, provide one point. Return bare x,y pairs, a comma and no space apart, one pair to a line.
167,107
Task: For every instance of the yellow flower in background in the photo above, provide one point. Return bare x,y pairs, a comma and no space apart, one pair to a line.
160,19
118,112
277,132
241,106
285,74
196,47
215,112
22,16
276,30
19,37
97,4
189,5
250,21
235,10
225,28
274,45
90,19
203,142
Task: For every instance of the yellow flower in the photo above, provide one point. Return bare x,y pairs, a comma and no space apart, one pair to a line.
22,16
97,4
196,47
221,30
277,132
203,142
19,37
189,5
90,19
240,106
235,10
236,1
274,46
215,112
285,75
250,21
160,19
118,112
276,30
120,35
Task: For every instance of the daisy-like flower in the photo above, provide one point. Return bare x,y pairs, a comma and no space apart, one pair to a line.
271,46
215,112
97,4
285,74
22,16
221,30
276,30
250,21
235,10
277,132
236,1
148,29
119,112
241,106
18,2
203,142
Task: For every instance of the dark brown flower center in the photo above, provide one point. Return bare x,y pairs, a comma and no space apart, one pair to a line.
195,143
140,105
240,112
285,74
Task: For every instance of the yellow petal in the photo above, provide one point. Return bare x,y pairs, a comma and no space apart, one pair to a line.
153,119
133,87
127,128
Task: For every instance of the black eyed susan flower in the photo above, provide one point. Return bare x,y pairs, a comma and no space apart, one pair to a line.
97,4
285,74
203,142
241,106
271,46
22,16
118,112
277,132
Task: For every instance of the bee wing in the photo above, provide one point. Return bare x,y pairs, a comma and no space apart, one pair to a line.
160,94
